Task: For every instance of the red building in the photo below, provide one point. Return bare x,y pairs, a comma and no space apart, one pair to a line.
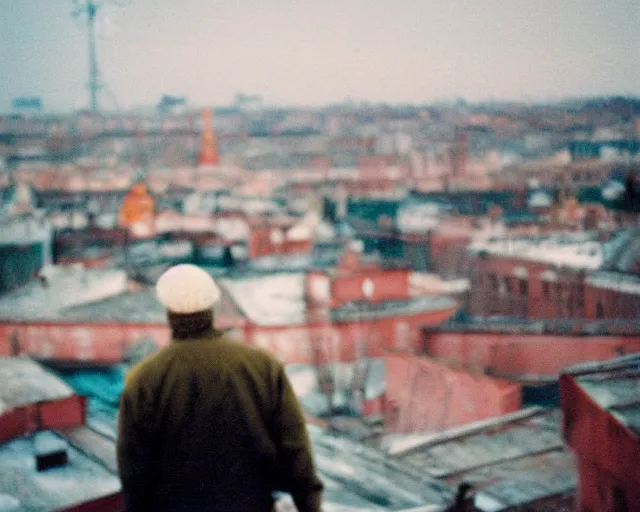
338,315
528,352
38,458
31,399
601,403
427,396
614,290
532,279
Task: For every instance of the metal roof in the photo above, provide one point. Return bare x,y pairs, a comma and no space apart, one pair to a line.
511,460
356,311
615,386
129,307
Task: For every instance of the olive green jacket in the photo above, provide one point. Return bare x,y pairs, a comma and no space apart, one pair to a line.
212,424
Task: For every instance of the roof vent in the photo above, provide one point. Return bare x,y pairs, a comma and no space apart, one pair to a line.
51,451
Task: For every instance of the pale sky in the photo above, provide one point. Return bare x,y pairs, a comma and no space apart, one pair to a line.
304,52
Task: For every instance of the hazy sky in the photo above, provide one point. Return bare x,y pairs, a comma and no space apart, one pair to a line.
314,52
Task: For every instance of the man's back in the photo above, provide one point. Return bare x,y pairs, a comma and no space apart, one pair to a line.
211,424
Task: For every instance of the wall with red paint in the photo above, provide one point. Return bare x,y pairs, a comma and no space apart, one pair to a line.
387,285
55,414
103,343
112,503
607,452
429,396
513,355
610,304
343,342
496,290
260,243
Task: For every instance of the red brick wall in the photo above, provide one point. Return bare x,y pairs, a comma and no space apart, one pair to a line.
449,254
260,244
429,396
54,414
538,299
610,304
388,285
523,354
607,452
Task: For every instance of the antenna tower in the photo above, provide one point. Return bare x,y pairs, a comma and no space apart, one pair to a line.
88,10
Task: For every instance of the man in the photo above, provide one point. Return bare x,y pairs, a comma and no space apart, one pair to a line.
207,423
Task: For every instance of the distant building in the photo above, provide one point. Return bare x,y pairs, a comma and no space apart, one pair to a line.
532,278
613,291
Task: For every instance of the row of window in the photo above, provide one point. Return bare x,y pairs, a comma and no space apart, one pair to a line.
512,285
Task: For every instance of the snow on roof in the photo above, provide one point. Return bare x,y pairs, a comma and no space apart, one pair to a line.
305,228
623,283
325,231
128,307
418,218
579,252
249,205
22,230
540,199
270,300
80,480
65,287
356,477
421,283
24,382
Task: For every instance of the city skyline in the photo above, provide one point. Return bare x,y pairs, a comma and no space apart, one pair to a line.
309,54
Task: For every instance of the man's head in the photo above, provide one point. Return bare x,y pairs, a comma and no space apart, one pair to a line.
189,294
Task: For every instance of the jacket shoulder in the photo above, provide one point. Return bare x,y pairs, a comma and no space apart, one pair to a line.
255,355
147,369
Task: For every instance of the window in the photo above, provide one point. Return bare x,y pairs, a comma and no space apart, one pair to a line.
580,296
493,282
599,309
546,289
524,287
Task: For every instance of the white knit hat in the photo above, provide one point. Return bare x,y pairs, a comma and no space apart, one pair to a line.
187,289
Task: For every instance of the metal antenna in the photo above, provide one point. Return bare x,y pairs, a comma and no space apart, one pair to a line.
90,9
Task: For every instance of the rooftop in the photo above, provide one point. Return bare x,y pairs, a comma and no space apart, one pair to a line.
615,386
356,477
64,287
276,299
25,488
22,230
562,327
279,300
579,251
25,382
510,460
